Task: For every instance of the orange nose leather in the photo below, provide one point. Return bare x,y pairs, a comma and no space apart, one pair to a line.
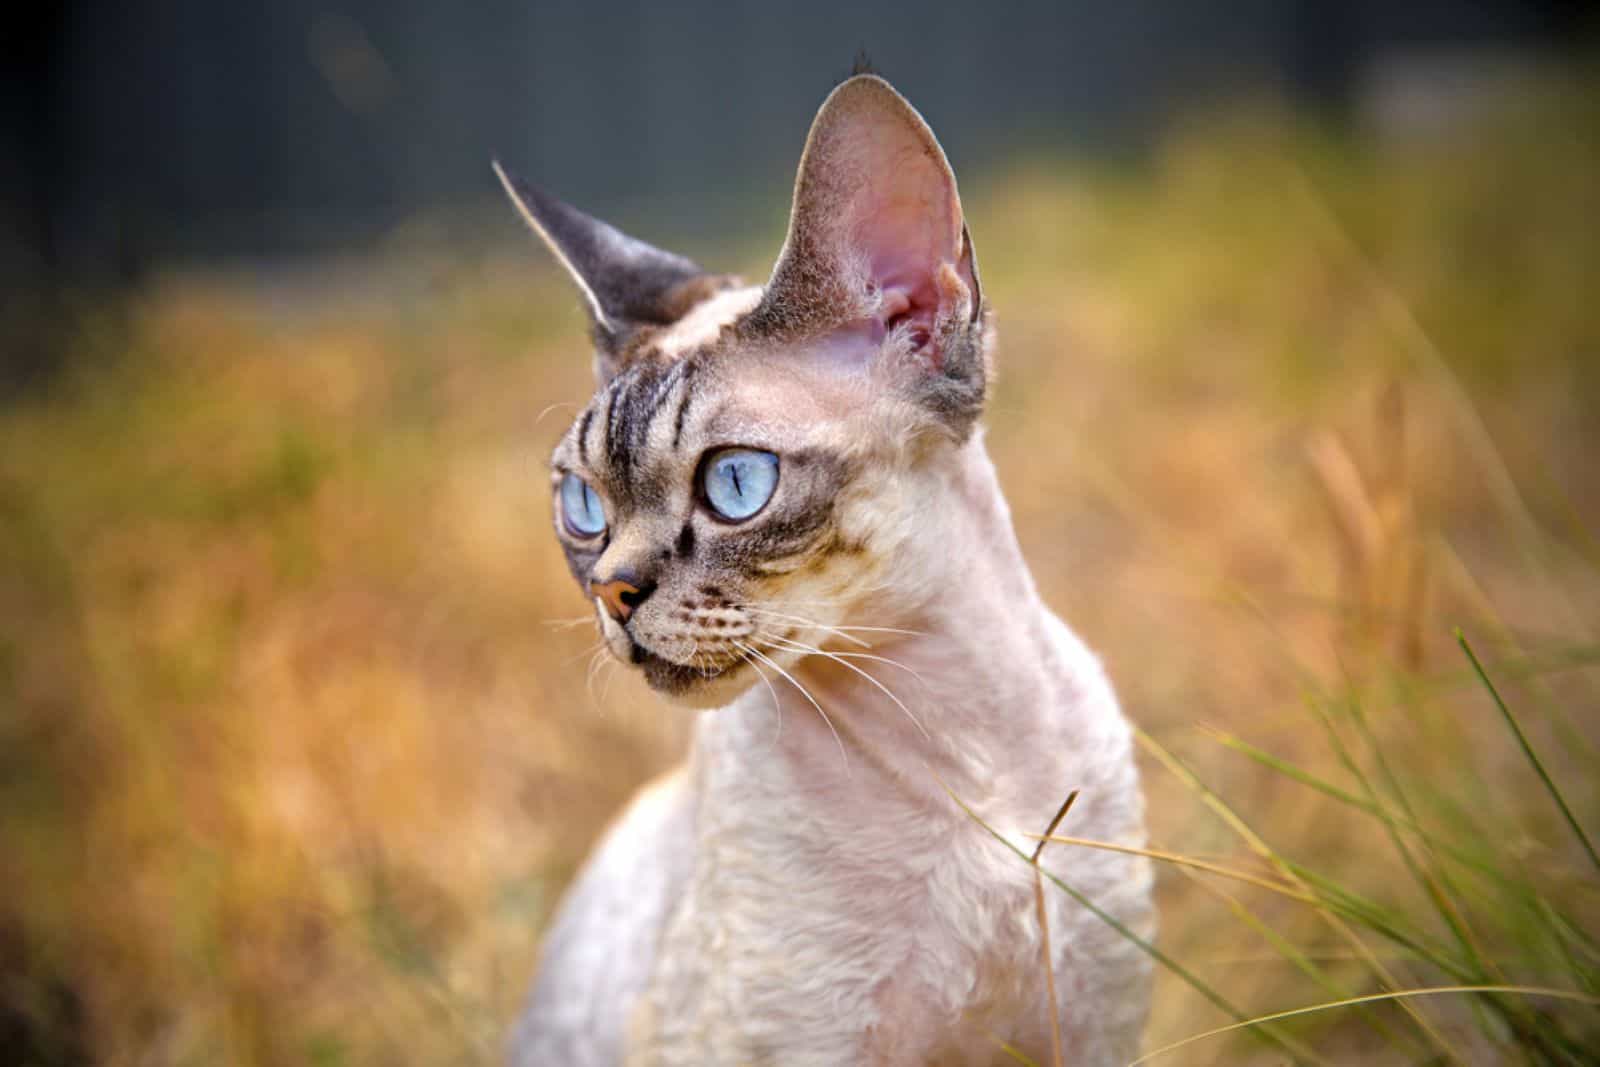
616,595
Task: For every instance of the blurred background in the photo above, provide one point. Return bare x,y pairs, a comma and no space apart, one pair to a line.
301,730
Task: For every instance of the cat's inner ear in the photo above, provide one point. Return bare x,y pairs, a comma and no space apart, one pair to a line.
877,242
625,282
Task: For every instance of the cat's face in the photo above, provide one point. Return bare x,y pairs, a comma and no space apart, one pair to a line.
755,460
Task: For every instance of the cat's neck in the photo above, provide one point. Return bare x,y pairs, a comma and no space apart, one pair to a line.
964,681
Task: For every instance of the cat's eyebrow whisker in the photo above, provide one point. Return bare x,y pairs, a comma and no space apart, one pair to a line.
845,759
553,407
795,646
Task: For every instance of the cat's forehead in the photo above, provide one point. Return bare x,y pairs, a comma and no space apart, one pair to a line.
643,427
636,424
662,365
647,427
701,382
704,324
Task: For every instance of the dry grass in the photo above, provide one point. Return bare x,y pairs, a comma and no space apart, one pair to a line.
296,751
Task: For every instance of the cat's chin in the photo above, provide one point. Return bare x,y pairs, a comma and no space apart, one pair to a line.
691,686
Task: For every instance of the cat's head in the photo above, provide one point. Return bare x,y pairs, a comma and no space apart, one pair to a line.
756,460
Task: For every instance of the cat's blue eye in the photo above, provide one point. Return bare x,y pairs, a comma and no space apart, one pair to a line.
738,482
580,508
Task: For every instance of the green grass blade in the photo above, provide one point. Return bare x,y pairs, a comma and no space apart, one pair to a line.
1301,962
1433,886
1335,919
1397,994
1343,796
1351,905
1194,981
1514,1012
1527,750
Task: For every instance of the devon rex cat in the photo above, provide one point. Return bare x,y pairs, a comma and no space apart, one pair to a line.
780,504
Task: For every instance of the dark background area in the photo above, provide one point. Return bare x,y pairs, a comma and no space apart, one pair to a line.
193,130
136,136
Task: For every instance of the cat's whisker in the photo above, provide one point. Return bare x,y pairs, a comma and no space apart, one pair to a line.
568,624
769,661
858,641
825,602
857,590
887,630
881,659
597,664
840,630
777,705
795,646
700,660
812,623
605,686
882,630
848,631
589,651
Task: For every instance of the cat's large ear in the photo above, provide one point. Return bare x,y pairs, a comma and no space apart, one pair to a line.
877,245
626,283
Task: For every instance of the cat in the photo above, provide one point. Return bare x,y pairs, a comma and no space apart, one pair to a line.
780,505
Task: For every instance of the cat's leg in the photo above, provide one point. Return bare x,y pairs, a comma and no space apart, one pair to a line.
600,949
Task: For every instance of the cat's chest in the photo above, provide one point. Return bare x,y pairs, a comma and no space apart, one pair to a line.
839,915
904,947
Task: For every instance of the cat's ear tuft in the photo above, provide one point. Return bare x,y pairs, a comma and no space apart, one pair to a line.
625,282
878,255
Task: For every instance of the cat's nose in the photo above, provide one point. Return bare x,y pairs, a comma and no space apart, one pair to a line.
622,594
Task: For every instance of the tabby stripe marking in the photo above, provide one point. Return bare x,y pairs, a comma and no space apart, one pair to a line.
583,436
640,436
683,404
616,456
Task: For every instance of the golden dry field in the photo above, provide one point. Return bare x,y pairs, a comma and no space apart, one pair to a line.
301,736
